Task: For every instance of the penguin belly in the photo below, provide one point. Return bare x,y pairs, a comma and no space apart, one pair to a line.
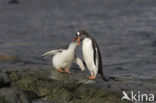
88,55
63,60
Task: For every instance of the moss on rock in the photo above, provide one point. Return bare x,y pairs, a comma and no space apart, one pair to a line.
4,80
65,88
13,95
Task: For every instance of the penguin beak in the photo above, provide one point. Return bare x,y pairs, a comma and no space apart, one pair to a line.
77,39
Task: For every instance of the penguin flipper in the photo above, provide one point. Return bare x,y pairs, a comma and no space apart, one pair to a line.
79,62
52,52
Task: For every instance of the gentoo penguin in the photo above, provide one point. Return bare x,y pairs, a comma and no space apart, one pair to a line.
64,56
91,53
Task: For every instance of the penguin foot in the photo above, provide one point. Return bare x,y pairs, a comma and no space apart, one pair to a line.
60,70
92,77
67,71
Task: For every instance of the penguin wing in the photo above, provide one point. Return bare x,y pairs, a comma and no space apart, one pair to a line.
79,62
98,59
52,52
95,53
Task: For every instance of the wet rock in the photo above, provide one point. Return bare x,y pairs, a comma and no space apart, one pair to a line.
4,80
116,79
8,58
13,95
59,87
42,101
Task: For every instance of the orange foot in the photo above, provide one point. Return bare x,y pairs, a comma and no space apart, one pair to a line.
67,71
60,70
92,77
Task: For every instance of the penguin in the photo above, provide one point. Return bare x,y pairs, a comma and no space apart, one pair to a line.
91,53
64,56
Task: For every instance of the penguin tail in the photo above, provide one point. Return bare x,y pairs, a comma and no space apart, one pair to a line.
100,71
104,78
102,75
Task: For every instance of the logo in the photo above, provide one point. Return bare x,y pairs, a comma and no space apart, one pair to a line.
139,97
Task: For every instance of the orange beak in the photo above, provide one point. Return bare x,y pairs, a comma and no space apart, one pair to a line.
78,40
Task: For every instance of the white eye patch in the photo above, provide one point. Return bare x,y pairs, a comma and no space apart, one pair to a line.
78,33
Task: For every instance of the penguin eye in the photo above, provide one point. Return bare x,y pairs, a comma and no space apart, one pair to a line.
78,33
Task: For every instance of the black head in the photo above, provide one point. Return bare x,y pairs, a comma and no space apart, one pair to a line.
80,35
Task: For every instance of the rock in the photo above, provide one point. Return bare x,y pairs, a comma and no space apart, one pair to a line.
8,58
59,87
116,79
13,95
4,80
43,100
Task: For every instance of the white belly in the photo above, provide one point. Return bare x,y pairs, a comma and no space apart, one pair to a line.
63,59
88,55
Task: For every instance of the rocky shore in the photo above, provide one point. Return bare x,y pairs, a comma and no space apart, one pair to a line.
36,85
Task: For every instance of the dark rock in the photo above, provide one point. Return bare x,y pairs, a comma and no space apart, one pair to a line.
13,95
4,80
42,101
60,88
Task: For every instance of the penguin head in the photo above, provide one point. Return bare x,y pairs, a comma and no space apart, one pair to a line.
73,44
80,35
